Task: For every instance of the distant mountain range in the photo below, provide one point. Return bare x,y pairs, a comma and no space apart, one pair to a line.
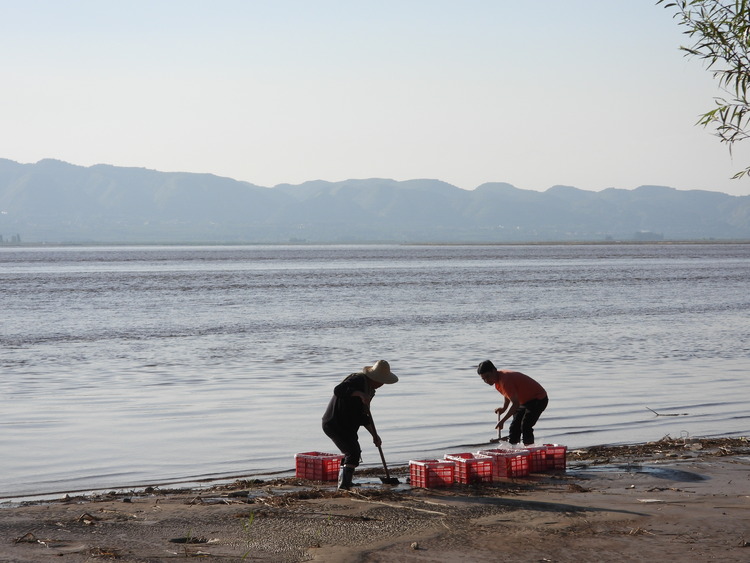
56,202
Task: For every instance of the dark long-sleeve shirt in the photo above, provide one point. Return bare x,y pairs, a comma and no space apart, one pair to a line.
345,412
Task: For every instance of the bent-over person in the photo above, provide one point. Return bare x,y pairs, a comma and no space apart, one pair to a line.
525,401
349,409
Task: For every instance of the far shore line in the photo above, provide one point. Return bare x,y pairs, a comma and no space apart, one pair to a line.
122,244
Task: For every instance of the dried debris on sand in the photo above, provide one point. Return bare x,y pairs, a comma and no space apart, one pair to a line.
667,447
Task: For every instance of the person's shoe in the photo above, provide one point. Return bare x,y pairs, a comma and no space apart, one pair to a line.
345,478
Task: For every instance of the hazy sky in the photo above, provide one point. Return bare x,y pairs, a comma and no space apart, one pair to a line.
586,93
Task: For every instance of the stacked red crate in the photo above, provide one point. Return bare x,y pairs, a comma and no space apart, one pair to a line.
317,466
508,463
537,459
471,469
556,457
429,473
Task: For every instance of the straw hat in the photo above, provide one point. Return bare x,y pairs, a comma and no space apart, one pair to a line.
380,371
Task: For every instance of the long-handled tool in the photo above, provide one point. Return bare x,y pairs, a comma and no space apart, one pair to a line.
499,430
387,480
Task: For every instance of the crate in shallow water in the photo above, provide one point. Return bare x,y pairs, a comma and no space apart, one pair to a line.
508,463
556,456
317,466
429,473
471,468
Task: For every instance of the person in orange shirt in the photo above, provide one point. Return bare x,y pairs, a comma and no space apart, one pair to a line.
526,398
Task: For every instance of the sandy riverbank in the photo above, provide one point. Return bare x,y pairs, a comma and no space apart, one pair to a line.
660,501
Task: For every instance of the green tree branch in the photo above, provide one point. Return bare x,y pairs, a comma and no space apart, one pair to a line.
720,30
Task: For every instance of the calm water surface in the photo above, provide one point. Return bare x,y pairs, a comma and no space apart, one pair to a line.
132,366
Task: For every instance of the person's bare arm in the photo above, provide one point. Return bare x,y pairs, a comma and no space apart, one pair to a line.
513,401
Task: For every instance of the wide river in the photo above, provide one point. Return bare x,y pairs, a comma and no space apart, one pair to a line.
131,366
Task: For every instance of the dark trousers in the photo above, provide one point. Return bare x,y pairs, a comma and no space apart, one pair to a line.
347,441
524,420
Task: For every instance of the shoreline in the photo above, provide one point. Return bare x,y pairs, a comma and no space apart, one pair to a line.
672,499
198,483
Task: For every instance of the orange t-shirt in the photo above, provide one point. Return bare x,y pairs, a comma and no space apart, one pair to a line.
519,384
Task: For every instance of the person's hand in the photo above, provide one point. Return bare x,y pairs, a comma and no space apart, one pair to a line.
499,426
498,410
377,441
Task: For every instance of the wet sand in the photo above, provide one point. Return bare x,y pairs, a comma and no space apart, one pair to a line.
660,501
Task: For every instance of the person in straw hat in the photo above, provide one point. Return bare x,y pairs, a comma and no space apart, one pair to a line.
348,409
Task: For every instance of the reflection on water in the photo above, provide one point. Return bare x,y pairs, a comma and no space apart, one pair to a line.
126,366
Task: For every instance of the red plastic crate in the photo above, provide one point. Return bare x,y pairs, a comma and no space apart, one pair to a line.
471,468
429,473
318,466
537,459
508,463
556,457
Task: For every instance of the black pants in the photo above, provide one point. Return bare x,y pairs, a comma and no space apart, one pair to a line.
347,441
524,420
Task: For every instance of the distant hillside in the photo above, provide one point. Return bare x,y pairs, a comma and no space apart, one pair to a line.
53,202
